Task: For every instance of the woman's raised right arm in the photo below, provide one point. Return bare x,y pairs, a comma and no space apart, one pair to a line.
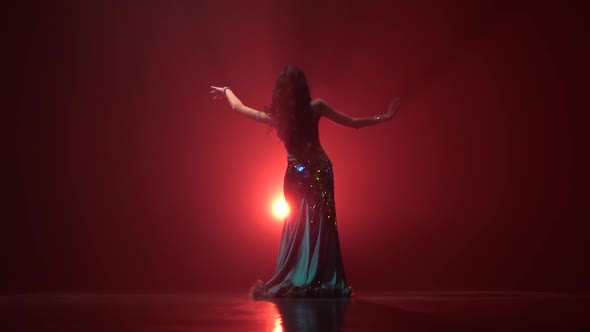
346,120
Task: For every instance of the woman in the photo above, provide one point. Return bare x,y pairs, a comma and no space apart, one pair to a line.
310,260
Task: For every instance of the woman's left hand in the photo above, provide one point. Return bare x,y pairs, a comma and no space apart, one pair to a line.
218,92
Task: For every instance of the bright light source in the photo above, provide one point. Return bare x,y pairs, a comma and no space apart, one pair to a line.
280,208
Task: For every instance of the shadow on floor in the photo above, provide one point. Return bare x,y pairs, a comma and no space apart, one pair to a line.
313,315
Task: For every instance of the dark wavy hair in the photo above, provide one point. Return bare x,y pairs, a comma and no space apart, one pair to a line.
291,107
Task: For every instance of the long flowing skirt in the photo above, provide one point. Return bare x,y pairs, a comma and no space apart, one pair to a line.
310,260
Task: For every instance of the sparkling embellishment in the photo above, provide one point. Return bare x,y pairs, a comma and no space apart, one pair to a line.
309,189
313,181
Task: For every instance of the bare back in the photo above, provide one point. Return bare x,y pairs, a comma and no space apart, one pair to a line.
308,147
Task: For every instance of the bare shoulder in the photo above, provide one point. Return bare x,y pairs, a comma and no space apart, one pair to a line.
318,105
317,102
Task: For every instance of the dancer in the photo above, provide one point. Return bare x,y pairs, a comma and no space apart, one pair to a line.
310,261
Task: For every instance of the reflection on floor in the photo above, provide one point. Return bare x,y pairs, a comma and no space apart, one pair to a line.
385,311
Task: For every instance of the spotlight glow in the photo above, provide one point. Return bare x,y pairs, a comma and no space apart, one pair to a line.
280,208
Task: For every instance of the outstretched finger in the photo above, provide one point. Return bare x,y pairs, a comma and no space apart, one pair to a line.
394,103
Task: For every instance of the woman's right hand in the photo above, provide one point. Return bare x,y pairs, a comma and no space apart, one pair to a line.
393,106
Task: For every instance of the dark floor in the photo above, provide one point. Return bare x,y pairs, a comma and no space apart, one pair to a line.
386,311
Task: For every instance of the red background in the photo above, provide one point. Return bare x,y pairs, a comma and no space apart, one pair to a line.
125,175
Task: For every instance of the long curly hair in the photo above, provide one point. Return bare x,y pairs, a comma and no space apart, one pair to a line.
291,107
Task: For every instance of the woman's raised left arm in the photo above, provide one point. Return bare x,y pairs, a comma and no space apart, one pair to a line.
237,105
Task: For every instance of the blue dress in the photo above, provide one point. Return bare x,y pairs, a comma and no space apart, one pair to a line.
310,261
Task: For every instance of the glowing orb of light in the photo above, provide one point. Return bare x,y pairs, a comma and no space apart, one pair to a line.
280,208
